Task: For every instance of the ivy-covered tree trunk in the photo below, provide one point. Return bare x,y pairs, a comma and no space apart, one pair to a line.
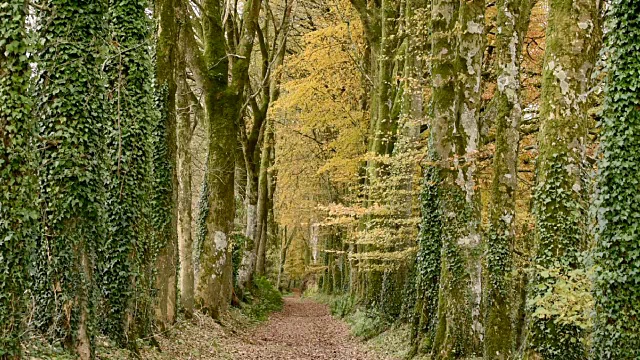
572,44
428,263
71,123
458,47
617,257
261,246
185,240
130,114
17,186
512,23
165,202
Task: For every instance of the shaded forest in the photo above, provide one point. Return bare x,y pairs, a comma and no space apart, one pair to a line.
465,172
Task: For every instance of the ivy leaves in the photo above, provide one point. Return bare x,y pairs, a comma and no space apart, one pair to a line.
617,254
17,210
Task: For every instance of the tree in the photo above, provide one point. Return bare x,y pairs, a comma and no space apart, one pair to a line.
185,102
272,37
70,122
572,45
262,212
456,73
130,114
223,107
165,187
381,22
17,185
617,295
512,23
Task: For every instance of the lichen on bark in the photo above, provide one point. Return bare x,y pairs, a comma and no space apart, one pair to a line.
573,41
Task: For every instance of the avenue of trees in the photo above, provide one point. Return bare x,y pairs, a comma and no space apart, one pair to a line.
468,169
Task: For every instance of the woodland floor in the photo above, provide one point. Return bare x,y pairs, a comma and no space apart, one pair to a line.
303,330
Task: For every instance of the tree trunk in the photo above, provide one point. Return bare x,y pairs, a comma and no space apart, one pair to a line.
121,260
283,253
17,183
166,179
261,247
617,296
385,124
512,23
573,41
223,103
185,240
70,124
221,107
259,190
456,99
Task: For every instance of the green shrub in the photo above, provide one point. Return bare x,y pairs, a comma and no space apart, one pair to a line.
263,299
342,306
366,324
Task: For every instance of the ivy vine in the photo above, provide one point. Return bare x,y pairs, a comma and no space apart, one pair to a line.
17,186
428,262
129,73
70,124
617,254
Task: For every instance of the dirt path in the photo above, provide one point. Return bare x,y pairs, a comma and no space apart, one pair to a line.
303,330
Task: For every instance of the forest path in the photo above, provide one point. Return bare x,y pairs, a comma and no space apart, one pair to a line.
303,330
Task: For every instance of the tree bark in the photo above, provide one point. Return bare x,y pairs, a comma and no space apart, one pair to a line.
456,99
185,240
512,24
166,187
572,45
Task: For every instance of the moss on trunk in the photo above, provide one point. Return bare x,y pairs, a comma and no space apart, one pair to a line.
512,23
573,38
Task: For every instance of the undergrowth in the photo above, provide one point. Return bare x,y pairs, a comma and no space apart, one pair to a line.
364,323
262,299
188,338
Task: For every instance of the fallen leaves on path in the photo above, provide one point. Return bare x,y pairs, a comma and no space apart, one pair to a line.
303,330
